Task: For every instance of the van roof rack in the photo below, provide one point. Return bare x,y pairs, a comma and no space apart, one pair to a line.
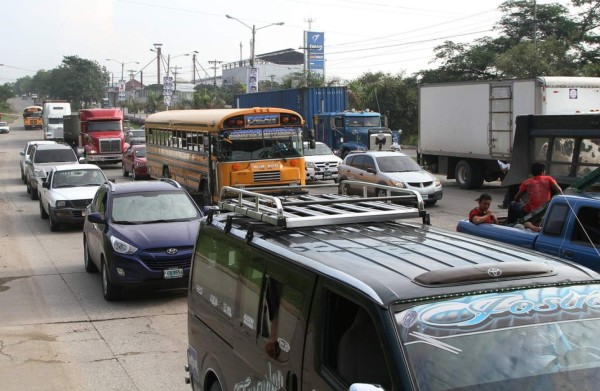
304,210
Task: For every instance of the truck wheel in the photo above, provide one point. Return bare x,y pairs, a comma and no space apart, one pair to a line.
27,186
54,226
43,213
125,172
166,173
468,175
34,194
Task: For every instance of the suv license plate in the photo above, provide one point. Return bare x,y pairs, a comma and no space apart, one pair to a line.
173,273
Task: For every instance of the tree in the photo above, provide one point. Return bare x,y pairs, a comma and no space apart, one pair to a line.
78,80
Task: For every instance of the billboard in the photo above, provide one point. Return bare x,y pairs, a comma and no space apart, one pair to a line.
315,47
252,80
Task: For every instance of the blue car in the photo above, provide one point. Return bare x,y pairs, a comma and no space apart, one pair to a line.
140,234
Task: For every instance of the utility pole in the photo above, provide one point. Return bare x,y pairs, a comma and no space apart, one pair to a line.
214,67
194,69
131,73
157,46
272,77
175,78
306,52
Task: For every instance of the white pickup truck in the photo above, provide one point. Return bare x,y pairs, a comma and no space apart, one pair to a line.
66,191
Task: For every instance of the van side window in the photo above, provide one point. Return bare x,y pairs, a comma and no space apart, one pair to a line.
284,300
353,349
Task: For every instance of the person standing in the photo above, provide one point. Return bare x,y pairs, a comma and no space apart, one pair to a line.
482,214
538,189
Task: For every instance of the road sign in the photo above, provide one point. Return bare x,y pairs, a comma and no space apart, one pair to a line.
167,86
167,99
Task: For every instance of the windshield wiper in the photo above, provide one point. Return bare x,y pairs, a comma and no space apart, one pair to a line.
125,222
279,151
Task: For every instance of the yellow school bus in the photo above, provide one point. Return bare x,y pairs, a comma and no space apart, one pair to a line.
32,117
205,150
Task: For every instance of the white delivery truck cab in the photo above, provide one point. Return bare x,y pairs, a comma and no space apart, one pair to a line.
53,114
466,127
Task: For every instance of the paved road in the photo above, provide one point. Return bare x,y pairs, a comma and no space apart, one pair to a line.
56,330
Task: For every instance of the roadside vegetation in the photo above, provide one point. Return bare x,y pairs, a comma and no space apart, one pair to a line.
543,40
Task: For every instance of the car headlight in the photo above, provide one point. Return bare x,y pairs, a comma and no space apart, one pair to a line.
121,246
61,204
39,173
398,184
437,182
310,165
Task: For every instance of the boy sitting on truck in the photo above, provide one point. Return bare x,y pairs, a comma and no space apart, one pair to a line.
482,214
538,189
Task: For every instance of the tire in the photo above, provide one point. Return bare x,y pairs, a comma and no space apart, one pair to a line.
166,173
110,291
468,175
54,226
215,386
34,194
125,172
380,193
43,213
344,189
205,199
22,176
429,203
28,186
133,176
89,265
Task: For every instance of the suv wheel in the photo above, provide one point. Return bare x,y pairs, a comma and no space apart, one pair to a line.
87,260
110,291
28,186
34,194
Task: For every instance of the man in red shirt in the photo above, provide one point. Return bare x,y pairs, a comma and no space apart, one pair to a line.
482,213
539,190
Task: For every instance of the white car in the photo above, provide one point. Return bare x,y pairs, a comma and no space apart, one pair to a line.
388,168
67,191
26,154
321,162
4,128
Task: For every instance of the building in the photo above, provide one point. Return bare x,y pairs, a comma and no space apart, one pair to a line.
272,67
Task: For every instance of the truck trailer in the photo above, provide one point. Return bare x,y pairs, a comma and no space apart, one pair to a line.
53,115
465,128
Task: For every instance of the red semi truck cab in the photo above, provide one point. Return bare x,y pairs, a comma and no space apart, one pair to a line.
101,135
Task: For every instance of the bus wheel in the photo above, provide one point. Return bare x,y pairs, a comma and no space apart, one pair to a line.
166,173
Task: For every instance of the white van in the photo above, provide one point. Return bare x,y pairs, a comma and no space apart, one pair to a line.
54,111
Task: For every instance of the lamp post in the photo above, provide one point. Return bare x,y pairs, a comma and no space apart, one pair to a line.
122,65
254,29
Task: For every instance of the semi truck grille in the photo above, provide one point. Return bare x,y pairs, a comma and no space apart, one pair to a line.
110,145
267,176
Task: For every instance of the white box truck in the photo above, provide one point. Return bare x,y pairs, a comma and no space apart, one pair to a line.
53,113
466,127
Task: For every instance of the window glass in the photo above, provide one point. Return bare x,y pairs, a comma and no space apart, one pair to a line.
555,219
587,226
153,207
358,161
562,156
284,299
397,164
352,346
369,163
540,148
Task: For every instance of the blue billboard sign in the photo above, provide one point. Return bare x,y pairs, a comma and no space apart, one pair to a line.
315,43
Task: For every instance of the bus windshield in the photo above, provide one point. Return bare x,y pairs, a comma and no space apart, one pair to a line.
254,144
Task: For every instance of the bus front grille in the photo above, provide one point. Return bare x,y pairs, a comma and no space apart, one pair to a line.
110,145
267,176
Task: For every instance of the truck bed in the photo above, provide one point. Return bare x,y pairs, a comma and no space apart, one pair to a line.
516,236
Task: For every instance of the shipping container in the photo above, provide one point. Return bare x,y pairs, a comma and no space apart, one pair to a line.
308,101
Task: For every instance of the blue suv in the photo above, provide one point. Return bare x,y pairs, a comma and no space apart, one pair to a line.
140,234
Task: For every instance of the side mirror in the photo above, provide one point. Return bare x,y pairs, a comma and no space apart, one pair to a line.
95,218
364,387
81,160
28,161
46,185
22,153
371,170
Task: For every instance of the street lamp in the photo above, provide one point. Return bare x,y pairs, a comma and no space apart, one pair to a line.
254,29
122,65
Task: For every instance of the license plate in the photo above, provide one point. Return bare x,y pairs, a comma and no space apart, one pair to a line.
173,273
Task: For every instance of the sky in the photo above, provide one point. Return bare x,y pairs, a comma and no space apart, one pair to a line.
391,36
